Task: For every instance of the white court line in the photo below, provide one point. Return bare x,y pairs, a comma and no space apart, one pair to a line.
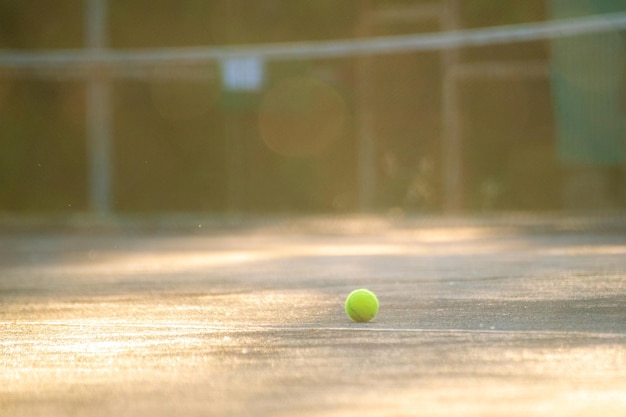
367,328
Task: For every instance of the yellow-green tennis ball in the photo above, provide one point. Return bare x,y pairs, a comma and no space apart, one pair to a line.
361,305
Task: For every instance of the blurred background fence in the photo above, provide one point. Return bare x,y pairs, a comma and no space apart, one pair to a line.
255,107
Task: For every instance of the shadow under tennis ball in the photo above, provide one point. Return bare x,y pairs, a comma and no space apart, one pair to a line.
301,116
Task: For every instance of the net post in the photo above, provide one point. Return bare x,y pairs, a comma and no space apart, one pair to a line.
366,164
451,137
98,102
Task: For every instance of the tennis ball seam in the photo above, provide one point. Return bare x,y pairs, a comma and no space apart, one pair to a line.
355,313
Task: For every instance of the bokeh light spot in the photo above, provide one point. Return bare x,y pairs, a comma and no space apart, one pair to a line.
301,116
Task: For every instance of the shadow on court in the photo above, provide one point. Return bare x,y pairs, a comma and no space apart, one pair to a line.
479,317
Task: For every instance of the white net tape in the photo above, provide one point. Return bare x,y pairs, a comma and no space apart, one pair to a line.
129,62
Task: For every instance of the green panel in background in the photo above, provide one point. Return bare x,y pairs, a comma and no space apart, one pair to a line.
589,88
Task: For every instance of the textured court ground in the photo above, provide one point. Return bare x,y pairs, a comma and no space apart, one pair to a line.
479,317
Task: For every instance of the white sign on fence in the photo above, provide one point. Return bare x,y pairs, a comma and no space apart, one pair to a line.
243,73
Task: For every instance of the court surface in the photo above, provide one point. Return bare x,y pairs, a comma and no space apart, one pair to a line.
516,316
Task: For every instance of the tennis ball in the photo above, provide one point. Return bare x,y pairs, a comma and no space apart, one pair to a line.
361,305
